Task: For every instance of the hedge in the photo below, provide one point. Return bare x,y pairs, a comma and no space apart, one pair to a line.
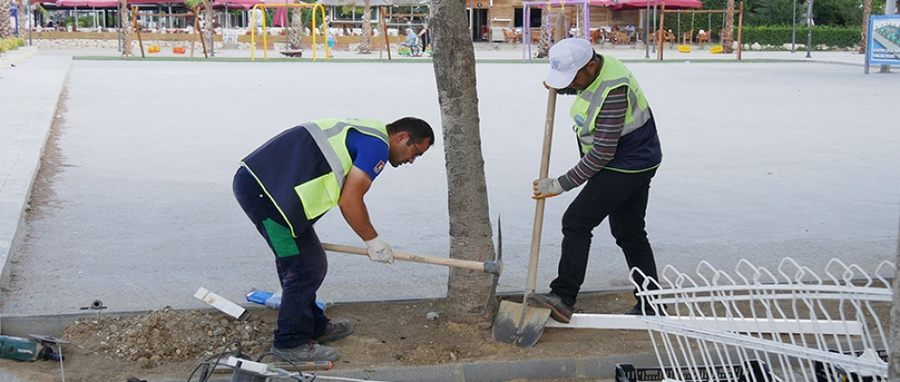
841,37
11,43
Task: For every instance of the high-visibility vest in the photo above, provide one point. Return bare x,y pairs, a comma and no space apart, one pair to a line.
587,104
318,194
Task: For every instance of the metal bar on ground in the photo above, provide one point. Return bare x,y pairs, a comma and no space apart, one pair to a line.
740,325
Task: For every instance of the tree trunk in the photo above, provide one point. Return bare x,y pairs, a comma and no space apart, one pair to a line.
295,32
209,31
5,25
470,226
22,16
125,28
560,31
728,32
867,11
365,42
544,44
894,344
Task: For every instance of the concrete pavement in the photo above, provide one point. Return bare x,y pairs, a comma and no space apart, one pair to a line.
505,52
31,88
758,164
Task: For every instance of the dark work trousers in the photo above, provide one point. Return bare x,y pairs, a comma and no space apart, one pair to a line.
301,264
622,197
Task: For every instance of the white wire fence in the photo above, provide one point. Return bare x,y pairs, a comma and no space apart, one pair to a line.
756,324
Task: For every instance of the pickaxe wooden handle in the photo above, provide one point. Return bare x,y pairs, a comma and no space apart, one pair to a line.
486,267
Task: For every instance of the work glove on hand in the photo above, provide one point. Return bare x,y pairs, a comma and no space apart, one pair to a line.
546,188
379,251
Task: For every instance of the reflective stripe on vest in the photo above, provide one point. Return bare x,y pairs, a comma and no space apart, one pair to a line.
323,193
587,105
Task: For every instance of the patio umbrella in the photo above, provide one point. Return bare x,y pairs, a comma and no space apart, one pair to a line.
87,3
231,4
670,4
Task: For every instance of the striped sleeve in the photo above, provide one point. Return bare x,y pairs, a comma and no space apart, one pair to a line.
607,129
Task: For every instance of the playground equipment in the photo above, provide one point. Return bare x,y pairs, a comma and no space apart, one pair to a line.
678,12
136,28
314,6
526,19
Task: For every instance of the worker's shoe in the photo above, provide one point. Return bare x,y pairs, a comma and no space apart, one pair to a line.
309,352
646,310
559,311
336,330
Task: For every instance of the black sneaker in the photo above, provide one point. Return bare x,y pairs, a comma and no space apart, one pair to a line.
559,311
336,330
645,310
310,352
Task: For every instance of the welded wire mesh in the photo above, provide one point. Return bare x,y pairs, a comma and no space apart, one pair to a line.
793,324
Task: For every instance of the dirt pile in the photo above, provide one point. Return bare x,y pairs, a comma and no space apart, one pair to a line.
166,335
167,344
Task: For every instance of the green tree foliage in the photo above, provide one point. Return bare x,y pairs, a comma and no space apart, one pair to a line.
778,12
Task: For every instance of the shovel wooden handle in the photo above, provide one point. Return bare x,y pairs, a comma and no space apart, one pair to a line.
456,263
539,207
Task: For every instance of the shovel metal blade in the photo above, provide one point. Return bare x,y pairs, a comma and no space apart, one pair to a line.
509,327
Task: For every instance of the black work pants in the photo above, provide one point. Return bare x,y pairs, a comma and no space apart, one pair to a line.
622,197
300,261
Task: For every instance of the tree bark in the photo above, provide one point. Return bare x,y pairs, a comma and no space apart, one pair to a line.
210,29
125,27
544,44
728,32
5,26
22,16
867,11
560,30
365,42
295,32
894,344
470,226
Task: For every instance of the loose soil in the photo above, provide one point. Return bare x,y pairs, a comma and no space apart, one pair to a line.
168,344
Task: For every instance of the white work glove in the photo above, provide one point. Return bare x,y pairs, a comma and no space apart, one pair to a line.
546,188
379,251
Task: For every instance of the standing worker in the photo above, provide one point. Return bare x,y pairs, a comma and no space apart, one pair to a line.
620,152
290,182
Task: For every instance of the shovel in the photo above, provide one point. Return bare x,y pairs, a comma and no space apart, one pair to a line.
518,323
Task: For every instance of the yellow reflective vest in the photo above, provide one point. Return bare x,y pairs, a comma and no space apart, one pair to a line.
638,148
302,170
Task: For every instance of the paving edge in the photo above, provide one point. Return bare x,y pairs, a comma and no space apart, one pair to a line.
482,371
16,56
55,324
489,371
14,241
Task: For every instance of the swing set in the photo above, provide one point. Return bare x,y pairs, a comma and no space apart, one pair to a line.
136,28
548,4
689,38
263,7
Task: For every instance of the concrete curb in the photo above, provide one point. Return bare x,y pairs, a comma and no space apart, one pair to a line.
492,371
542,61
29,111
16,56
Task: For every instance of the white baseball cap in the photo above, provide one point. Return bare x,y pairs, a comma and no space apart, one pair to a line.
566,57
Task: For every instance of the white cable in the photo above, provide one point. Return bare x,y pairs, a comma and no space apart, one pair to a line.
62,370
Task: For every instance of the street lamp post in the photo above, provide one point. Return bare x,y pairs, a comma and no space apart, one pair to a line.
647,32
794,27
889,9
29,21
809,23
